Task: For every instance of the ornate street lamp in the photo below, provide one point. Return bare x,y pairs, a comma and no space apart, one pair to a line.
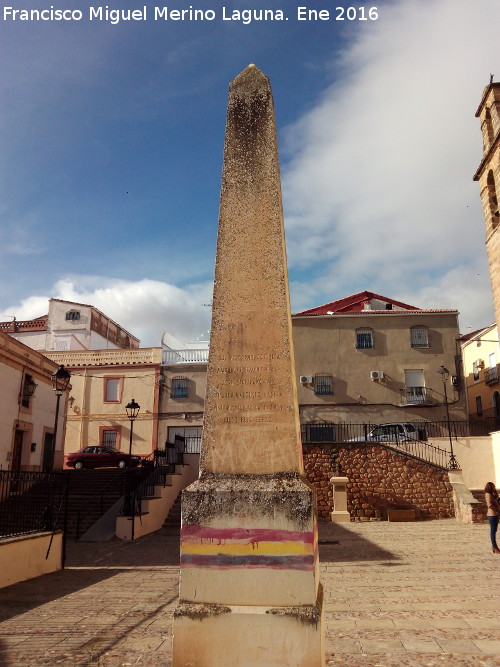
132,409
445,374
60,382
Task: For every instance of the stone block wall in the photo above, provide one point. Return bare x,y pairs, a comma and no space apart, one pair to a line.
379,479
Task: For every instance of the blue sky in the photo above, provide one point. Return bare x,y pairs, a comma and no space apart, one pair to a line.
112,140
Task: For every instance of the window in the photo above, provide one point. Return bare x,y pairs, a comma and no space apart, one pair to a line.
73,315
419,337
27,390
190,435
319,432
323,385
179,388
109,438
364,339
475,370
479,406
112,390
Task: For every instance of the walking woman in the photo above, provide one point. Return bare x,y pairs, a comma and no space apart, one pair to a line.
493,513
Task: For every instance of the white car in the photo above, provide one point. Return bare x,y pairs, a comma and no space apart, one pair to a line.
395,432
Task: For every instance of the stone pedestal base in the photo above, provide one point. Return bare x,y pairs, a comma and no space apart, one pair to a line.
235,636
340,513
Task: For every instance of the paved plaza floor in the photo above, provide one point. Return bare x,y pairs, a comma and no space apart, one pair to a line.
425,593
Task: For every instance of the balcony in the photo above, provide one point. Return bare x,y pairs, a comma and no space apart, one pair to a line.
491,375
416,396
187,356
111,357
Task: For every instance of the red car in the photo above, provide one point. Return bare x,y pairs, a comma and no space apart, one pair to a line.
96,456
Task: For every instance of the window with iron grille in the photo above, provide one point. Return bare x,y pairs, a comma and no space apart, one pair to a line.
419,337
179,388
323,385
364,339
479,406
73,315
109,438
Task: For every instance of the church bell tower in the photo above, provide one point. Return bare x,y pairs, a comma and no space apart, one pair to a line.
488,175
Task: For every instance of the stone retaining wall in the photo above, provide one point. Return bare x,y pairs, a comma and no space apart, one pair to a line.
379,479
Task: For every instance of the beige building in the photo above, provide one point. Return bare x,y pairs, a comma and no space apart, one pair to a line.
488,176
183,388
70,326
371,359
103,383
481,358
27,409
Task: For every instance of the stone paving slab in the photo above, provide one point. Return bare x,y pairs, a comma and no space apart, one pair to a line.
416,594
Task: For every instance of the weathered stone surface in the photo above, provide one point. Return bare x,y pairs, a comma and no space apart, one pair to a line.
249,533
251,421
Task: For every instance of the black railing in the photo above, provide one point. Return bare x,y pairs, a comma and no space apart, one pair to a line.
31,502
425,452
330,432
491,375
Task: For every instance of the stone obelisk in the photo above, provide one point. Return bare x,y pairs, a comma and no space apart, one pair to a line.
249,587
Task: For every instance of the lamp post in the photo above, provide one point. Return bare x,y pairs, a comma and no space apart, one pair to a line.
132,409
445,374
60,381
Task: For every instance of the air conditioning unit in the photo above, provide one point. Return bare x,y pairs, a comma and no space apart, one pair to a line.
377,375
306,379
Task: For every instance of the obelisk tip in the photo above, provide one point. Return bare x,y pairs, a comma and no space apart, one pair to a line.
251,78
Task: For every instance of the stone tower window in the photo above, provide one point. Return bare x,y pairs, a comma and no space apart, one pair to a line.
73,315
487,130
492,201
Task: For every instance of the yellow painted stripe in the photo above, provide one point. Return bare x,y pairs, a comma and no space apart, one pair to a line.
268,548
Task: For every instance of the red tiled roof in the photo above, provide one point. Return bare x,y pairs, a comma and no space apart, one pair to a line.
354,303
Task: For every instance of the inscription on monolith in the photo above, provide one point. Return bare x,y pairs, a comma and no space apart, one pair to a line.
251,424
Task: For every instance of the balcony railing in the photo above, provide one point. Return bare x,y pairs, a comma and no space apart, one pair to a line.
111,357
189,356
491,375
416,396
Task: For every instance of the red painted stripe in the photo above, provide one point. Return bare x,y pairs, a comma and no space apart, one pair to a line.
191,533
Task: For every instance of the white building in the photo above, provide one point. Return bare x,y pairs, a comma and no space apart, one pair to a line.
70,326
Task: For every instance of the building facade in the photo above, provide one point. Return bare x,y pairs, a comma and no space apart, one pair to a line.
103,383
488,177
365,359
28,409
71,326
481,359
371,359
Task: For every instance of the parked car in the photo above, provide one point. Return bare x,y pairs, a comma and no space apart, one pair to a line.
96,456
395,432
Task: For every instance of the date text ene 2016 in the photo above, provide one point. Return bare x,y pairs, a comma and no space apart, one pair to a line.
341,14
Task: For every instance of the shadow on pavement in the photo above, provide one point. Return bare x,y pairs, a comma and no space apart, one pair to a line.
338,544
26,595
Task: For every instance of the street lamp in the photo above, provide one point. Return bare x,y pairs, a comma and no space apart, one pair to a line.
132,409
60,381
445,374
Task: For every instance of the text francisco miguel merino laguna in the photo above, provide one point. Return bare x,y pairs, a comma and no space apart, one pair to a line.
114,16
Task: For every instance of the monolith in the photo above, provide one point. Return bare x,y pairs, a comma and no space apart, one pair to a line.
249,587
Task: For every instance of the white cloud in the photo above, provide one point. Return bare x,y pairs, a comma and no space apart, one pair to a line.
146,308
378,187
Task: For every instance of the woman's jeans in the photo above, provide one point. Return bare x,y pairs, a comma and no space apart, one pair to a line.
493,530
